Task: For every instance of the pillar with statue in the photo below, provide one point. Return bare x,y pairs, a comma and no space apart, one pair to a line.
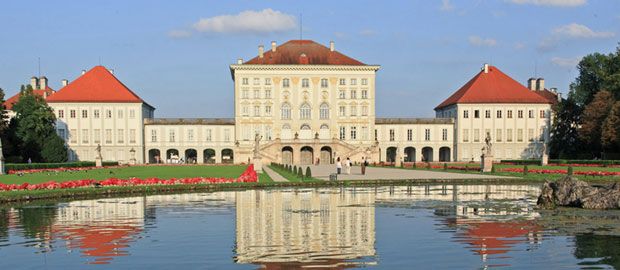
256,157
1,159
98,158
486,159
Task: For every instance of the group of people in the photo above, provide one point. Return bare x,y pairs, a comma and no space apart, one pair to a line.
347,165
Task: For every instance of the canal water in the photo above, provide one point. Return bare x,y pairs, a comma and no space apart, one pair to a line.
397,227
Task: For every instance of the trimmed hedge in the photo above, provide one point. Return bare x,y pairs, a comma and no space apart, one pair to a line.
561,161
27,166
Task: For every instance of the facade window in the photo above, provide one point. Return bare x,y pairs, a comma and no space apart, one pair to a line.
444,134
427,134
73,135
353,81
498,135
499,114
286,83
121,136
376,135
120,114
190,135
96,114
304,111
227,135
343,133
208,135
132,136
353,133
519,135
365,133
132,113
364,81
353,94
476,114
256,81
96,135
245,111
342,111
520,113
324,111
353,111
324,83
530,134
256,94
509,113
305,83
341,94
268,110
61,114
108,113
364,110
172,135
487,114
542,114
409,134
342,82
267,93
84,135
392,135
257,110
364,94
153,135
84,113
108,136
530,114
245,94
476,135
465,135
245,81
286,111
465,114
509,135
267,81
72,113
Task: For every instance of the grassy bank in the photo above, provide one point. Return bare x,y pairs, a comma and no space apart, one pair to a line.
292,177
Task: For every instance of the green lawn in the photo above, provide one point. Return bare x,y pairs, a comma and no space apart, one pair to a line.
163,172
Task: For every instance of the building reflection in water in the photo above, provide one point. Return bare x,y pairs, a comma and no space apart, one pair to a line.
318,228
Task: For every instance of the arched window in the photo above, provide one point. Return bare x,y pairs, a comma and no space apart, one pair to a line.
324,111
304,111
305,127
286,126
286,111
286,83
324,126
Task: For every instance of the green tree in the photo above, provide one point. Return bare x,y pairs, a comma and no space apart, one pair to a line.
610,134
592,72
4,125
592,118
565,140
54,149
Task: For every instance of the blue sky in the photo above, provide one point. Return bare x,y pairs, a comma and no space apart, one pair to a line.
175,54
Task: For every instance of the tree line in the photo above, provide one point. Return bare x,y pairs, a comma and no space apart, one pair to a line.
587,122
31,134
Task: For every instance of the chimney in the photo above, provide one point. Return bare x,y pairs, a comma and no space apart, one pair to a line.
261,51
83,71
486,68
540,84
42,82
331,46
273,46
34,82
531,84
303,59
111,71
65,82
239,61
559,97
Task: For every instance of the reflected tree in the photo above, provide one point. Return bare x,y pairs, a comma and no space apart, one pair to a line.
37,220
601,249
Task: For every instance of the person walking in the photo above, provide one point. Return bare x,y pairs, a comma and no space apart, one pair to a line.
338,166
364,164
348,165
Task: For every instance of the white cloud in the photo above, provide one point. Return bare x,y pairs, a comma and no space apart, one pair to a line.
478,41
553,3
446,5
179,34
575,30
565,62
249,21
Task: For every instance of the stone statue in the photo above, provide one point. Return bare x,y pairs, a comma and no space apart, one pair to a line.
487,149
257,139
1,155
1,158
98,151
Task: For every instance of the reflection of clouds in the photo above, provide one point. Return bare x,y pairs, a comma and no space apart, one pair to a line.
304,227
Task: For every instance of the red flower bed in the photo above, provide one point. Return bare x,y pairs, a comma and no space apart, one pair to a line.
248,176
561,171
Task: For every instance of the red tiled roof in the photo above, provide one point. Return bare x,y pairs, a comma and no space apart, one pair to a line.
8,104
96,85
493,87
548,95
290,53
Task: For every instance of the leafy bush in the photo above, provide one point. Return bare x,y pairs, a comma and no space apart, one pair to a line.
30,166
569,171
445,166
308,172
525,170
300,172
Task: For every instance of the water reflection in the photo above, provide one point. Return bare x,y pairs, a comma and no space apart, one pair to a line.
333,228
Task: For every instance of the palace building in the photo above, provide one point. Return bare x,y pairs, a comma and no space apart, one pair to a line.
310,104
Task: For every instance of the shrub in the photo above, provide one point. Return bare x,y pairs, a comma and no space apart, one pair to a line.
445,166
492,168
300,172
294,169
428,166
308,172
414,165
569,171
27,166
525,170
